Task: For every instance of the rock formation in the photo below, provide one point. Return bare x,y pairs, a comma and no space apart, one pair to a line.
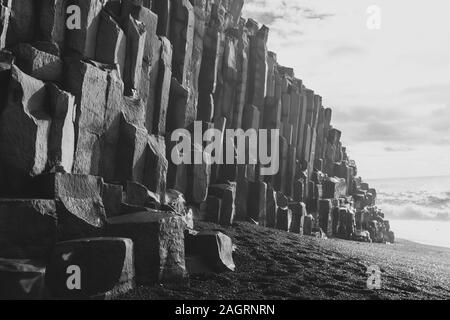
86,117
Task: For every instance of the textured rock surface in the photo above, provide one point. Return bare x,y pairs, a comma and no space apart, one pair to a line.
214,247
79,204
24,126
106,268
87,116
158,244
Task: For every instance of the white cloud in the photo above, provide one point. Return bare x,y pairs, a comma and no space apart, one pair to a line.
389,89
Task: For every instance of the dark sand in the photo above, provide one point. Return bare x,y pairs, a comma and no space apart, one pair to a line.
273,264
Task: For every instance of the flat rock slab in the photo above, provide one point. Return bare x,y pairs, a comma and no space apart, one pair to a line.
27,228
158,239
21,280
214,248
91,268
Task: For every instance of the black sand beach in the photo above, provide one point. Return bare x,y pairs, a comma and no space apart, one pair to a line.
272,264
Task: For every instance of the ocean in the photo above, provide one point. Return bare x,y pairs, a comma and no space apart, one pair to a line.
418,208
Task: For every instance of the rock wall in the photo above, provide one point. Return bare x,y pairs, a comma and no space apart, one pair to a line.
86,116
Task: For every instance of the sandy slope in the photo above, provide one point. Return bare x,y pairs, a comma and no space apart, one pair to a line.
273,264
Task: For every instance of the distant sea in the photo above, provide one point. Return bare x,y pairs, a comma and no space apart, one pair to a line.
418,208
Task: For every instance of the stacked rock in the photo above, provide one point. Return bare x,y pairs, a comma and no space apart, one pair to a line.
91,92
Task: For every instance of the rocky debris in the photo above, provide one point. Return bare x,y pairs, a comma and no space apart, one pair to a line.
95,268
214,248
158,239
22,280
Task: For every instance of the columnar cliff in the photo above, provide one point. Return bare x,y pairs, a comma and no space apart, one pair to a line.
90,93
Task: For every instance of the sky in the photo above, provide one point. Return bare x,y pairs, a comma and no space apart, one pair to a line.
389,88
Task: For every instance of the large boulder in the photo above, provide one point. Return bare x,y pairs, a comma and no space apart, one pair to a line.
22,280
91,268
214,248
28,228
158,239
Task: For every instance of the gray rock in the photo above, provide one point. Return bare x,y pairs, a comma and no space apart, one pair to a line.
334,188
162,85
22,280
112,197
284,218
271,207
182,38
298,216
89,85
24,122
158,239
112,45
78,200
28,228
62,132
136,37
84,41
156,166
213,209
52,20
325,216
5,12
227,193
257,202
214,248
21,26
6,62
138,195
106,268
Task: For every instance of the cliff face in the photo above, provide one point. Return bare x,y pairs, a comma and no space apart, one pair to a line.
90,93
